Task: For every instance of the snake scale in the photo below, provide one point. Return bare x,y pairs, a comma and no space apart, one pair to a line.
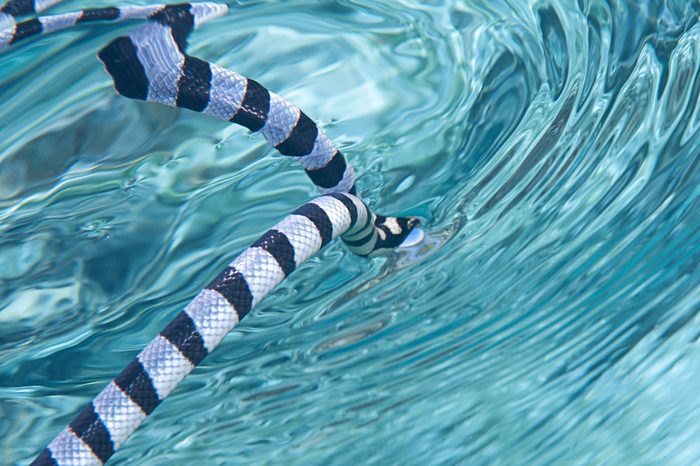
150,63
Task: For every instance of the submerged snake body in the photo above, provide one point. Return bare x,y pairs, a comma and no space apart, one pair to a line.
119,409
150,64
13,31
14,8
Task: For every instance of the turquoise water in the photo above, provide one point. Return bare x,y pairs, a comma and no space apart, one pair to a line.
550,146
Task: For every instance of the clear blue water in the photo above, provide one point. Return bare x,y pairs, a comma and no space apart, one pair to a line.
552,146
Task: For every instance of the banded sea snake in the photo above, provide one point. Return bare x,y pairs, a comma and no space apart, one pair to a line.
150,64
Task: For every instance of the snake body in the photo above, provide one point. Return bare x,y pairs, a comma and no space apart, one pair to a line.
12,30
114,414
150,63
15,8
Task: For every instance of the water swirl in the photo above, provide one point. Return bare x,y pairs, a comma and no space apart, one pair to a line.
551,149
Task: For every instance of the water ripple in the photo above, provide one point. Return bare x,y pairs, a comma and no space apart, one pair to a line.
550,148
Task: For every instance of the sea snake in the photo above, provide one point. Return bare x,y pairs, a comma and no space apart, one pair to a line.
150,64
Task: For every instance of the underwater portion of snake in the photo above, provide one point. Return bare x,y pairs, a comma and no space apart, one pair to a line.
150,63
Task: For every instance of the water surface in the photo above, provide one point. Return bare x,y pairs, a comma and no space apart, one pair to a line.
552,146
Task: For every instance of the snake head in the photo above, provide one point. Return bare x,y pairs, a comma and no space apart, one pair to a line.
392,231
